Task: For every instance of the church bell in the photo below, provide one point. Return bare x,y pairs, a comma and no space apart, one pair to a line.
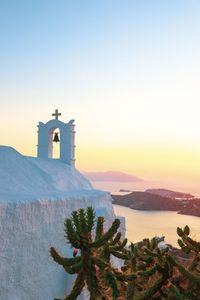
56,138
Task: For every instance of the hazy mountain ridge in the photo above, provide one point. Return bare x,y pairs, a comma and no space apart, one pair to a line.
111,176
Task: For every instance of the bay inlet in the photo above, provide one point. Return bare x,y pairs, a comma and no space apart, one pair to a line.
147,224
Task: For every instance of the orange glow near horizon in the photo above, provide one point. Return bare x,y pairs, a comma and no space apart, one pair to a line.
128,75
147,162
151,160
102,148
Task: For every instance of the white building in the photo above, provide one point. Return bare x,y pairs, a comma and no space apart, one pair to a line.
48,132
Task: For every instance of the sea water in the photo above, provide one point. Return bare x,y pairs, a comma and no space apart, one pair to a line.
143,224
179,186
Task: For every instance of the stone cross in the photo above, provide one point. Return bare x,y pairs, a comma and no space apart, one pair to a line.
56,114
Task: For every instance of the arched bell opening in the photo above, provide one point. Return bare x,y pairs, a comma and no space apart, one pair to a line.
56,140
54,143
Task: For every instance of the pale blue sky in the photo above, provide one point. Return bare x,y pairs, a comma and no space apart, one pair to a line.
67,43
127,71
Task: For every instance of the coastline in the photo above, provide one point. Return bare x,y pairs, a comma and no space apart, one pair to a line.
144,201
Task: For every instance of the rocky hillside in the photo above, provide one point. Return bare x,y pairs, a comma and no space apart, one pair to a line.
191,207
169,193
149,201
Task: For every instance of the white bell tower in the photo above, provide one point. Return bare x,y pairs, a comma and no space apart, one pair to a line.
66,139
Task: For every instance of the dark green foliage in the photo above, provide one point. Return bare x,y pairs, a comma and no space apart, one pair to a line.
148,272
186,230
160,275
78,231
111,280
180,231
99,228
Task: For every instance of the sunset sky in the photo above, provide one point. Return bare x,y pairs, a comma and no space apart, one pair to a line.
127,71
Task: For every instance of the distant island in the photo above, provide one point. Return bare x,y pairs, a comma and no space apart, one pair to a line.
111,176
124,191
170,194
160,199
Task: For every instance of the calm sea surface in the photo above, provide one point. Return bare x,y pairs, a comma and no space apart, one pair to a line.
179,186
142,224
